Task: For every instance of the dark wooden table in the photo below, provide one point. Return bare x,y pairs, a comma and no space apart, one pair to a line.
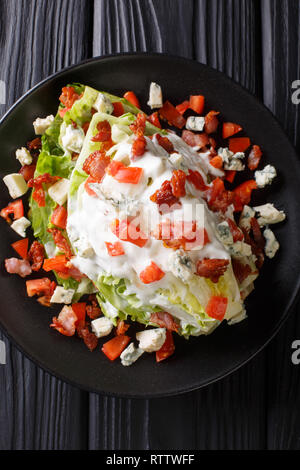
255,42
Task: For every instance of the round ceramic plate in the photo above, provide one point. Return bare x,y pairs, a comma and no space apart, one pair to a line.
201,360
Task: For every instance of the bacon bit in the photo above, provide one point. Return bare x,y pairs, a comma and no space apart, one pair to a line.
218,197
254,157
236,232
90,339
165,320
45,300
35,144
38,193
170,114
257,245
18,266
165,198
36,255
167,349
154,119
139,125
68,96
122,327
212,269
165,143
211,122
60,241
104,132
118,109
70,271
15,208
65,322
96,164
195,140
85,126
181,234
241,271
197,180
217,162
138,147
258,236
93,311
27,171
178,183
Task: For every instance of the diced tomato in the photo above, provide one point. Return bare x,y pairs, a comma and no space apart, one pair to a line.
123,174
178,183
165,143
197,103
254,157
197,180
128,232
115,249
151,273
36,255
66,321
239,144
80,311
21,247
243,194
104,132
211,122
27,171
122,327
236,232
229,129
118,109
87,186
68,96
241,270
60,241
132,98
216,307
154,119
217,162
138,147
41,286
183,107
230,175
113,348
15,208
165,320
59,217
212,269
58,263
170,114
167,348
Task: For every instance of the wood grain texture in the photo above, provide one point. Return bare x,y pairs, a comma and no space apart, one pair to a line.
39,37
281,66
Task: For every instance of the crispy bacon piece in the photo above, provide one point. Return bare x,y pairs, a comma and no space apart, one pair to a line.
138,147
18,266
218,198
90,340
197,180
68,96
93,311
195,140
178,183
139,125
257,244
254,157
165,198
236,232
38,193
27,171
181,234
212,269
257,235
164,320
122,327
35,144
61,242
65,323
241,271
104,132
95,165
36,255
211,122
165,143
45,300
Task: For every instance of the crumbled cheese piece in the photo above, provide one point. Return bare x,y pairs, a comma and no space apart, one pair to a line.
181,265
62,296
232,161
20,226
245,217
225,154
151,340
195,123
269,214
16,185
130,355
240,249
41,125
73,139
102,326
272,245
103,104
177,160
265,176
84,248
224,233
59,191
234,165
24,156
155,96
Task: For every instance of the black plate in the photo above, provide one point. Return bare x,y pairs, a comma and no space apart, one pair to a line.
199,361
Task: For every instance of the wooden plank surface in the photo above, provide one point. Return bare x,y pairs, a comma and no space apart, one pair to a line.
257,44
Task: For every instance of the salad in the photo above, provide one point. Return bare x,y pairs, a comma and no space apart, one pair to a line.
140,218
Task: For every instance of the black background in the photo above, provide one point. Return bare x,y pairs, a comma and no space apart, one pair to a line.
256,43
